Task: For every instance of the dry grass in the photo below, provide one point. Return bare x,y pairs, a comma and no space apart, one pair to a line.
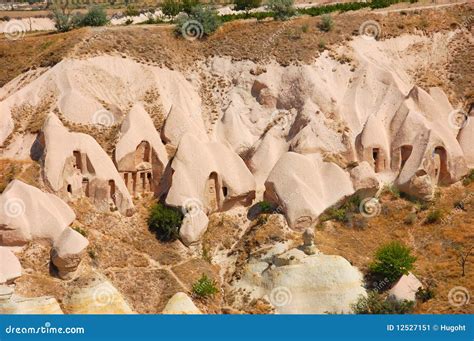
433,244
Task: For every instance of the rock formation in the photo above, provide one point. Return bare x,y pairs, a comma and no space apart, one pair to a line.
405,288
295,283
27,213
180,303
193,227
208,176
96,296
38,306
304,186
74,165
67,252
140,155
10,267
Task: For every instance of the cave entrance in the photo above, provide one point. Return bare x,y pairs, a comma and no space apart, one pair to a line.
212,192
441,165
405,153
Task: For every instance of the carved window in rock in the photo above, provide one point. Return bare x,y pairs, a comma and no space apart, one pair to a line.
142,153
112,190
405,153
78,160
441,172
378,159
212,192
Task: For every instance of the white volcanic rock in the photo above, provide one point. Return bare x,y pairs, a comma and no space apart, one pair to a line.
6,292
67,252
140,151
193,227
98,296
38,306
27,213
75,165
179,122
298,284
10,267
304,186
364,180
405,288
87,88
180,303
466,139
208,176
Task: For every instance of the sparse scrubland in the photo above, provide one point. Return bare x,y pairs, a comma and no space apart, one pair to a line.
241,156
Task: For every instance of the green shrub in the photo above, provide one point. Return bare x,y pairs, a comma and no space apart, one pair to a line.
374,303
187,6
80,230
63,19
165,222
410,219
425,294
131,11
326,24
392,261
468,178
202,21
246,5
434,216
205,287
265,207
95,16
171,8
281,9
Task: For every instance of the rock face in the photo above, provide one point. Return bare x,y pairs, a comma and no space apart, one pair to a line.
405,288
10,267
364,180
140,155
74,165
38,306
208,176
304,186
27,213
99,296
180,303
295,283
67,252
193,227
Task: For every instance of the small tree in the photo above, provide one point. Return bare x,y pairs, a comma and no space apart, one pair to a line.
165,222
463,255
171,8
63,17
392,261
281,9
327,23
95,16
203,21
246,5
